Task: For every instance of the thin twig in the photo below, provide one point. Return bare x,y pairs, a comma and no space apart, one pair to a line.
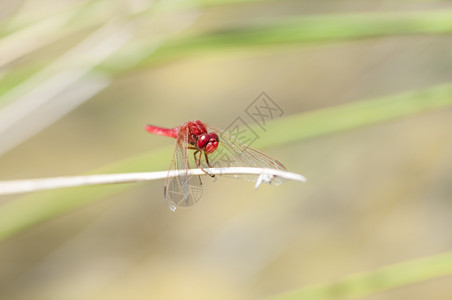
32,185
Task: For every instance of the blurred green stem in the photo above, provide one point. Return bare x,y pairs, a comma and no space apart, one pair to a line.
355,115
301,29
380,280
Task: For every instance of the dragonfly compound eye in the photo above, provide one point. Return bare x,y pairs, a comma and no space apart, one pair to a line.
212,143
208,142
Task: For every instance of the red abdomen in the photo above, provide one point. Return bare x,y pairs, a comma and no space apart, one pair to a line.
171,132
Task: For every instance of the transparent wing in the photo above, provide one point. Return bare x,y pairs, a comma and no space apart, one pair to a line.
232,153
181,190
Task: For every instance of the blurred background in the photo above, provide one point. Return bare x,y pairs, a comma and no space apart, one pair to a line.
79,79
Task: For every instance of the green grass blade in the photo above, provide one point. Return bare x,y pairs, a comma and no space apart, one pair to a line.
305,29
355,115
287,31
380,280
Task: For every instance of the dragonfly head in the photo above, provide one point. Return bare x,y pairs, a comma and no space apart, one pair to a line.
208,142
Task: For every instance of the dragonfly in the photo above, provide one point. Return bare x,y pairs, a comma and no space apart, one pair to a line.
212,147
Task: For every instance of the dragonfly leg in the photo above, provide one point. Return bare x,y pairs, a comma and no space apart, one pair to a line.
207,160
196,159
198,162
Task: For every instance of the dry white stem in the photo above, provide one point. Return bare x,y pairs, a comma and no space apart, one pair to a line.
32,185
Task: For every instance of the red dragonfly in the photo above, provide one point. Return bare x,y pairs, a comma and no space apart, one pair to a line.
223,149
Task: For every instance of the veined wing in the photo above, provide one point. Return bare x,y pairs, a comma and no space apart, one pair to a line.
181,190
232,153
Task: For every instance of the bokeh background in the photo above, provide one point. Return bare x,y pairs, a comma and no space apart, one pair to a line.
79,80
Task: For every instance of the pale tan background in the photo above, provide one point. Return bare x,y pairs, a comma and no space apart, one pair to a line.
375,196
